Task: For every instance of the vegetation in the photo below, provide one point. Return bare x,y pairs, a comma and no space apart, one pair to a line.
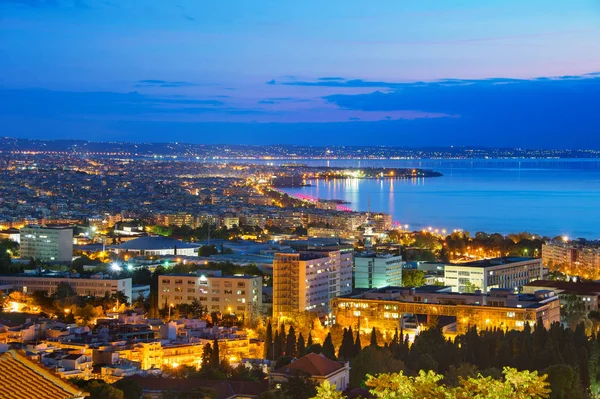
460,245
514,385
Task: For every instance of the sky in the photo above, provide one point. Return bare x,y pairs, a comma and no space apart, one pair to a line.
498,73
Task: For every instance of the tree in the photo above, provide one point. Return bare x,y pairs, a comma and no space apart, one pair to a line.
131,388
373,343
99,389
413,278
572,310
207,250
300,387
215,360
290,345
357,344
328,348
328,391
301,346
64,290
269,343
372,360
564,382
85,314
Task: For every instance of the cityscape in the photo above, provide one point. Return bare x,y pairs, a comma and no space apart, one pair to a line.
299,200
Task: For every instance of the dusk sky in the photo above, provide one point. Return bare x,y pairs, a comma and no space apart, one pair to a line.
399,72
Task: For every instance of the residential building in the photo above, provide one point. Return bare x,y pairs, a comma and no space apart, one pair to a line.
97,285
240,295
308,280
385,308
510,273
47,243
316,367
372,270
572,258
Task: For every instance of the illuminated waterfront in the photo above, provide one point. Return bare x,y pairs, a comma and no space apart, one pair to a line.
548,197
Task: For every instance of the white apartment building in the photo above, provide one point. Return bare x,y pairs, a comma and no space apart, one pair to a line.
97,286
48,244
308,280
373,270
508,273
240,295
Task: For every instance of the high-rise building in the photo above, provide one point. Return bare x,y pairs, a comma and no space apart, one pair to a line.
46,243
308,280
373,270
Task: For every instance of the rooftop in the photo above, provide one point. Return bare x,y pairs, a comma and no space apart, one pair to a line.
313,364
494,261
154,243
22,378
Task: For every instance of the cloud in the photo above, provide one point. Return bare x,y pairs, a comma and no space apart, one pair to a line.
164,83
271,82
267,102
190,18
331,78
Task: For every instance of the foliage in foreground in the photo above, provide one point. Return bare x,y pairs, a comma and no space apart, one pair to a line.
514,385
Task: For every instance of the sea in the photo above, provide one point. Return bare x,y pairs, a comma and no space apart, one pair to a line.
547,197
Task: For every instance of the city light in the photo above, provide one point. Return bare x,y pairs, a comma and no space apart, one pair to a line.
115,267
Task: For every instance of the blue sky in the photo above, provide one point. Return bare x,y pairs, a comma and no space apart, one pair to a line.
411,73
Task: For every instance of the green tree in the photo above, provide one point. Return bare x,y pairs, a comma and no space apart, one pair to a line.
413,278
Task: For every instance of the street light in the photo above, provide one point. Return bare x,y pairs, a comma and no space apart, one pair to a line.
170,307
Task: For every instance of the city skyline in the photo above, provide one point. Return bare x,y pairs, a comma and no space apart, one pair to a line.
493,74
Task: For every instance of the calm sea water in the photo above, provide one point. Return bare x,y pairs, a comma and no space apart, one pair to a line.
547,197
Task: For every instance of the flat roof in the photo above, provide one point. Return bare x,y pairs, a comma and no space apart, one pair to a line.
493,261
154,243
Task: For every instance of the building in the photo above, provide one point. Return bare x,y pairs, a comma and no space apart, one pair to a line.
385,308
587,293
47,243
509,273
95,286
572,258
372,270
11,234
156,246
318,368
240,295
308,280
22,378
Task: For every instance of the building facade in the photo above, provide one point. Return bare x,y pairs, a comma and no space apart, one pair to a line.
48,244
506,273
572,259
385,308
239,295
308,280
375,271
82,286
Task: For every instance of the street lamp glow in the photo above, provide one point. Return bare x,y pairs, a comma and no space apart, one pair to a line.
115,267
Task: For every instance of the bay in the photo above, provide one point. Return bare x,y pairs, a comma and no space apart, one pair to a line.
548,197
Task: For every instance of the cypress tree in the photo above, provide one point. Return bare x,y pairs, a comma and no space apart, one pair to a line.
301,346
357,344
277,346
206,356
309,342
344,350
290,344
269,343
214,358
328,348
373,338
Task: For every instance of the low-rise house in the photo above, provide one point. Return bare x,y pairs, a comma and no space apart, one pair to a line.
318,368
